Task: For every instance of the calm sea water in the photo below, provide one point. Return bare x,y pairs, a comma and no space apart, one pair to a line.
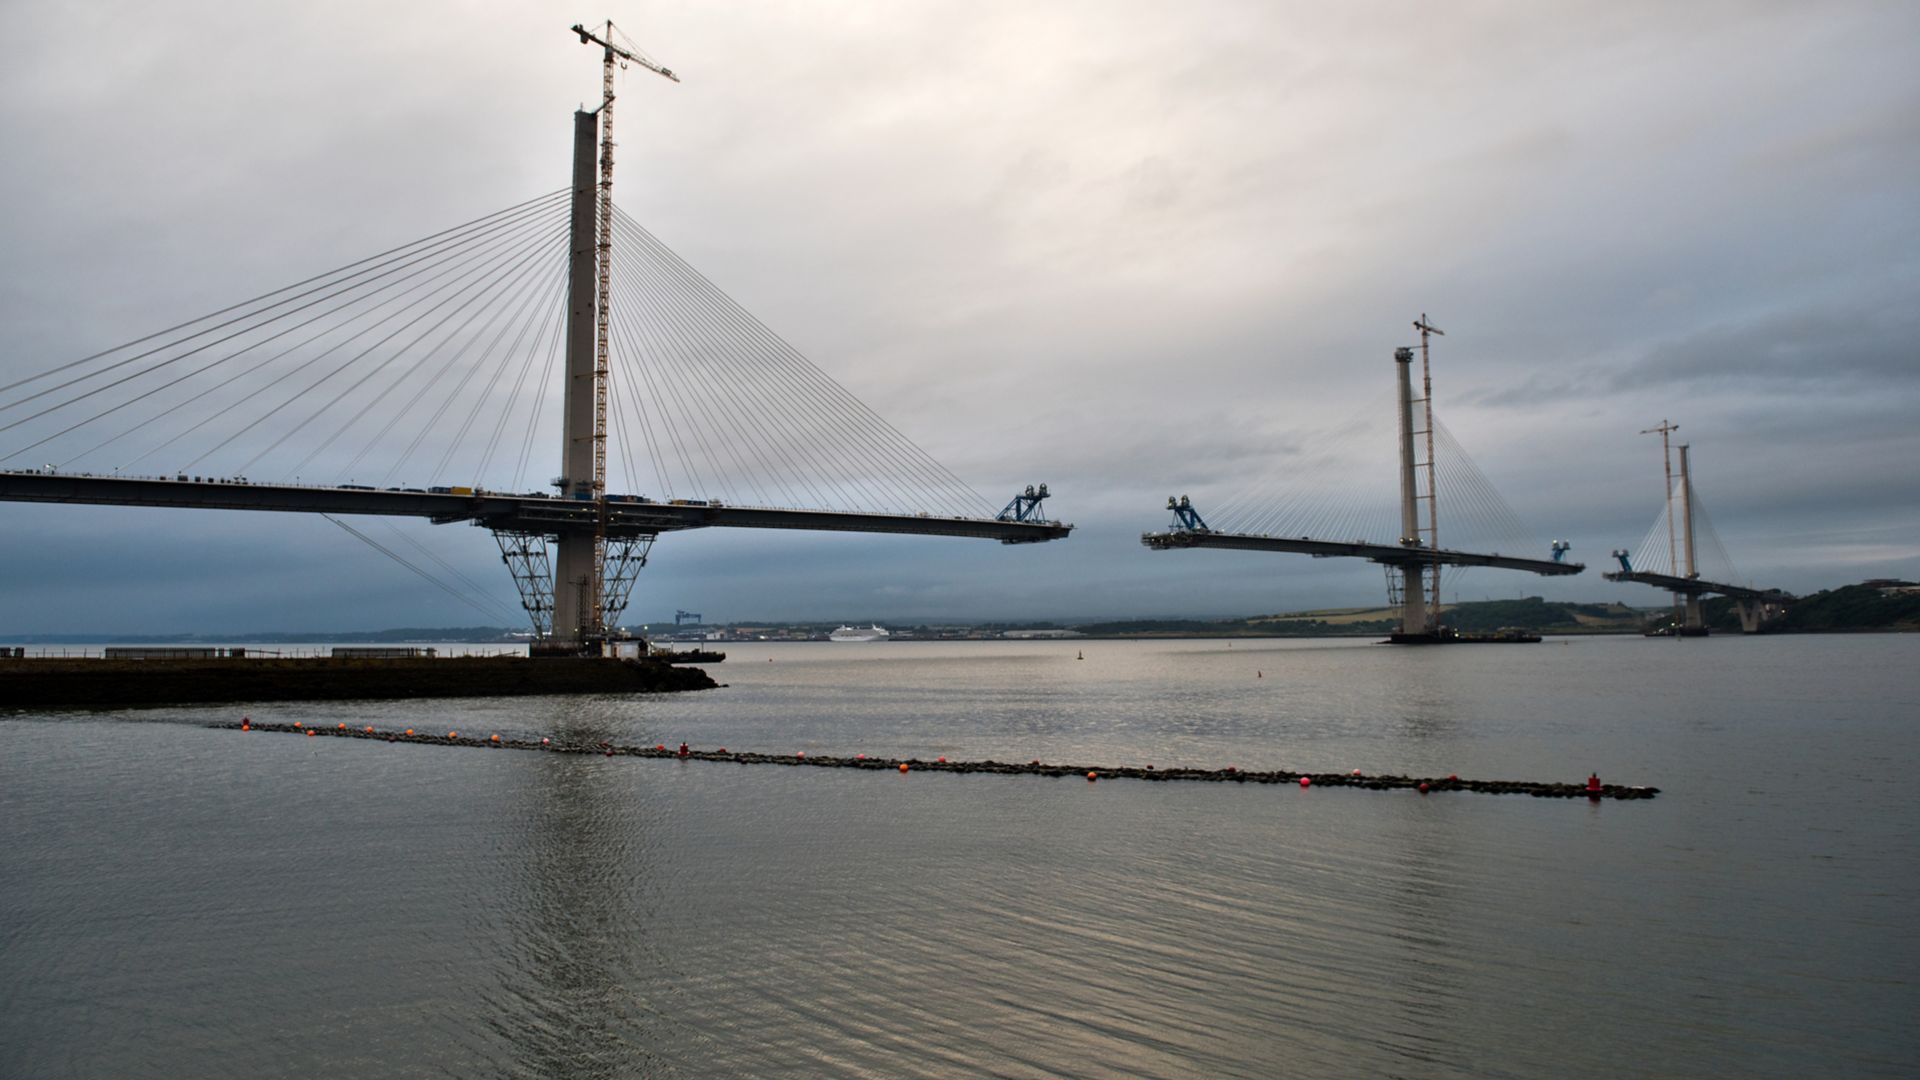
178,901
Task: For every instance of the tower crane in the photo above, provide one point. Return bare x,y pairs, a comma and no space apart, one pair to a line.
603,247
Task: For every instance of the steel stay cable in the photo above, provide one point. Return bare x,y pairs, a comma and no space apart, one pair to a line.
655,457
403,411
812,385
702,292
772,420
429,578
671,419
547,319
216,363
202,347
538,310
678,322
539,403
298,394
709,409
440,274
819,382
696,348
458,575
439,279
655,331
674,417
284,288
521,286
854,482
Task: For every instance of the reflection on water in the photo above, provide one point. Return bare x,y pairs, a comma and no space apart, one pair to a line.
175,900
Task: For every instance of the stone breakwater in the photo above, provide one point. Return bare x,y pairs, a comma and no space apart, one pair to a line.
1227,775
84,682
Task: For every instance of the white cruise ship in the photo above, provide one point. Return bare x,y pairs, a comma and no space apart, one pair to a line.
857,633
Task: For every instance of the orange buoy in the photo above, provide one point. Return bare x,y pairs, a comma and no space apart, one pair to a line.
903,766
369,729
309,733
409,731
296,723
800,753
1356,772
452,734
657,746
496,738
1093,776
1306,781
343,727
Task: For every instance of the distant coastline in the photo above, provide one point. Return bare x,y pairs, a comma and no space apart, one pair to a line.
1870,607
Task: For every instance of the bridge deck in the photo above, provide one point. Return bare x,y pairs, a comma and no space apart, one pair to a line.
534,513
1695,586
1386,554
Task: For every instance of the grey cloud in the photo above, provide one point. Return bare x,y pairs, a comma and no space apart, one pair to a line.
1132,249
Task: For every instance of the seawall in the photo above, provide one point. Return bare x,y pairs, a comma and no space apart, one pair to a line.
92,683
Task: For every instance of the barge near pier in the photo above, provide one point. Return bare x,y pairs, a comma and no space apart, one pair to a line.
85,682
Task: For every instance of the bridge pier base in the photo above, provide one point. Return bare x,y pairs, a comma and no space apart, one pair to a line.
1693,622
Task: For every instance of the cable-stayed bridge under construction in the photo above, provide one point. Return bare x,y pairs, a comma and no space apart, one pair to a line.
1692,563
1415,559
441,357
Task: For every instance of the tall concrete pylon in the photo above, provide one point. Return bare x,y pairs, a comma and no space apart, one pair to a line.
576,608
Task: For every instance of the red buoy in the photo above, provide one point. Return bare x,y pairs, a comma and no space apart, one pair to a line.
1423,787
1593,782
1093,776
903,766
1306,781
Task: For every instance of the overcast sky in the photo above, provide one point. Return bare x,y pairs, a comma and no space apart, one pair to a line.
1130,249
